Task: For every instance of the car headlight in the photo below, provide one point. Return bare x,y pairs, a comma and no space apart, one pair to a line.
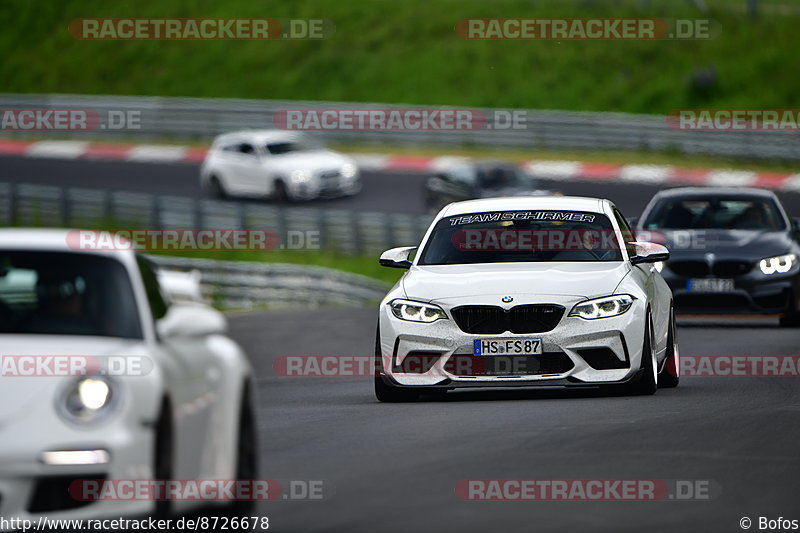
603,307
659,265
416,311
349,170
88,399
300,176
779,264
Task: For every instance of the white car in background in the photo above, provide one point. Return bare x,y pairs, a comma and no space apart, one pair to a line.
283,165
526,291
185,411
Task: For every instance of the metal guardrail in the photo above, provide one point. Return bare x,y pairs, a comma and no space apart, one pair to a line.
342,231
248,285
203,118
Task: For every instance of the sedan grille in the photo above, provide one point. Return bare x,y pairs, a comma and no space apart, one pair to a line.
491,319
699,269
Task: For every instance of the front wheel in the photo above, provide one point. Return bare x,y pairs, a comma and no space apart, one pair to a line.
669,377
647,384
247,453
385,392
791,319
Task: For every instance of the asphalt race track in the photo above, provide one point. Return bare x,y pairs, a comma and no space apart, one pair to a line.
383,191
394,467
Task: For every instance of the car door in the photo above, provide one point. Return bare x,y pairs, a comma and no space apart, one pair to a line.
192,380
241,164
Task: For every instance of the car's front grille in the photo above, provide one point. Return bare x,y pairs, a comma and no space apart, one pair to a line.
329,174
730,269
509,365
491,319
699,269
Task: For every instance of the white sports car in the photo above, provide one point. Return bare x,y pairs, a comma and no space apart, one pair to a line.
526,291
103,379
283,165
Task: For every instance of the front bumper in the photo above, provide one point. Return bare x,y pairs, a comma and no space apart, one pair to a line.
753,293
613,346
29,488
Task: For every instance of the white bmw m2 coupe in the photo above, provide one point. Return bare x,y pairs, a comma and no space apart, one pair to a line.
526,291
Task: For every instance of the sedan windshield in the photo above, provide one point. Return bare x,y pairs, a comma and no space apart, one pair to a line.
734,213
61,293
522,236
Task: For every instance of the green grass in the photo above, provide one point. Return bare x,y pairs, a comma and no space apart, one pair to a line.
407,52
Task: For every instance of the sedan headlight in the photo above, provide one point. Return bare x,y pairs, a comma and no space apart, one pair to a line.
416,311
779,264
300,176
349,170
603,307
88,399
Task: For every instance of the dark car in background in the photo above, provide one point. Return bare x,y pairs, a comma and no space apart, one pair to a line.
470,180
732,250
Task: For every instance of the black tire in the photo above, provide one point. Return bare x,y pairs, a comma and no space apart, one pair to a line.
247,452
216,189
669,377
281,193
647,383
163,457
791,319
386,392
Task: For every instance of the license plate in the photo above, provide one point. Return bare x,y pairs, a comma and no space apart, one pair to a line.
506,346
709,285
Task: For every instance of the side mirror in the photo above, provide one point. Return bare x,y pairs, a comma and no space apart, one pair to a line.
397,257
649,252
191,320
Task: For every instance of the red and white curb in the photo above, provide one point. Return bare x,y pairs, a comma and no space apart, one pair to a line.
552,170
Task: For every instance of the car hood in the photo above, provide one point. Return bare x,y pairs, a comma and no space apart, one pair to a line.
312,160
17,393
451,283
725,244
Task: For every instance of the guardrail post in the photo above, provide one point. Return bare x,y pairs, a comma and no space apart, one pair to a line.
322,228
391,240
12,204
355,222
64,207
155,213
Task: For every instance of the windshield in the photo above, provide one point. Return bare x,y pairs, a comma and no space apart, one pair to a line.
522,236
61,293
741,213
299,145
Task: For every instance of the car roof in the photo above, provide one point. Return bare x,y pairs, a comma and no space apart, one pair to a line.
259,136
519,203
716,191
50,240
